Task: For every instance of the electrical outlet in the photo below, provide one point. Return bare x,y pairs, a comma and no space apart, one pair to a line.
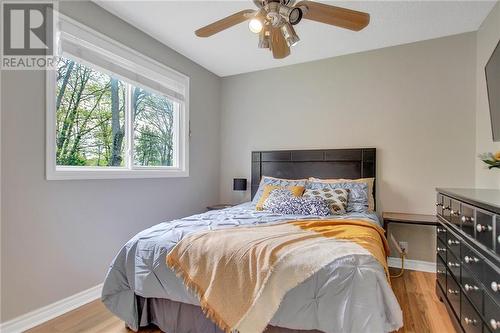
404,246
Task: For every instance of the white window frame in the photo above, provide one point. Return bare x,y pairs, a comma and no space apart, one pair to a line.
133,61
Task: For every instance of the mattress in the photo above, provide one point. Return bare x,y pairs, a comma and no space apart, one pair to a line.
351,294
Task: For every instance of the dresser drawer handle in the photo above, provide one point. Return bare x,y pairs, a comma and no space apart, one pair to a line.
481,228
446,208
471,287
441,249
471,260
454,212
452,292
466,219
470,321
453,264
452,242
440,272
495,286
441,230
494,324
439,204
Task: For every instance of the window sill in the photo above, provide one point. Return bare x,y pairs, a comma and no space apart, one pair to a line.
62,173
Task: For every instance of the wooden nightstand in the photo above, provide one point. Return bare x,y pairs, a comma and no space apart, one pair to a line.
404,218
219,206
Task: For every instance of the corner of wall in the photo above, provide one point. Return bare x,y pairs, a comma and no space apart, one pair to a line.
487,38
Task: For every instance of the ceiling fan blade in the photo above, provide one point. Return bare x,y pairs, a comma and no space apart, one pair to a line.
340,17
278,44
224,23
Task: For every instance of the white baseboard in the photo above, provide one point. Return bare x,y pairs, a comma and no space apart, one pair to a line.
51,311
415,265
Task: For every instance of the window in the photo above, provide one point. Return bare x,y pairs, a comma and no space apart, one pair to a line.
113,113
90,116
155,119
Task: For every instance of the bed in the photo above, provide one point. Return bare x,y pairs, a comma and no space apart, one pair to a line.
349,294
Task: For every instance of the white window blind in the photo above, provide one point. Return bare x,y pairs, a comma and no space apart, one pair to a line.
88,47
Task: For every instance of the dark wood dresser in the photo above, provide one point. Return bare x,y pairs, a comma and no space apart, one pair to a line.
468,257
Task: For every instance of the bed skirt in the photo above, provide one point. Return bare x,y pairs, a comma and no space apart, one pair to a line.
176,317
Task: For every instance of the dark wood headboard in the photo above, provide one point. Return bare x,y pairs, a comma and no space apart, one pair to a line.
324,163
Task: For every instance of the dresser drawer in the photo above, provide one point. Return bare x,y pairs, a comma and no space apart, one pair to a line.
453,244
492,282
439,204
446,207
441,249
453,264
497,236
467,219
469,318
455,212
441,273
473,261
492,314
441,233
484,228
472,288
453,294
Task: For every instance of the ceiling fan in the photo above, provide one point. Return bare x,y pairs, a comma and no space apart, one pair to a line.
274,21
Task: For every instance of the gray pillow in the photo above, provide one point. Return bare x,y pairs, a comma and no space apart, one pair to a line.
282,201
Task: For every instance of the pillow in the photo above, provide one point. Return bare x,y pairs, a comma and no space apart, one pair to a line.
266,180
295,190
282,201
358,194
336,198
368,181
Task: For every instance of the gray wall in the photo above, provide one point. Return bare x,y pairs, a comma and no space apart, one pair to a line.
58,237
414,103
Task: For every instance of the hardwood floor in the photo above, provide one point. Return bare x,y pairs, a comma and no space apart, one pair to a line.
422,310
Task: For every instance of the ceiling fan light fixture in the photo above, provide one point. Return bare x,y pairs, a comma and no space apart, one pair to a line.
293,15
290,35
255,25
263,41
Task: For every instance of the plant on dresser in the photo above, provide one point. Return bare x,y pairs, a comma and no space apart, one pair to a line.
468,257
491,160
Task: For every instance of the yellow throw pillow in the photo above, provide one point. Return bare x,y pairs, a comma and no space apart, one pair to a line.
368,181
296,191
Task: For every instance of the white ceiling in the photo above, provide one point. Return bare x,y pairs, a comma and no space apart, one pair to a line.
235,50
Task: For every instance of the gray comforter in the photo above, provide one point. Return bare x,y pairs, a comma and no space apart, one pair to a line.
351,294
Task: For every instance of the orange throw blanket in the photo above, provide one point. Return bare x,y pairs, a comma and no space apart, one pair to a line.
240,275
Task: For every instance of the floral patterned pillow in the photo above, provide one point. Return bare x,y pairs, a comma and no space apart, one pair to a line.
357,201
336,198
277,182
282,201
